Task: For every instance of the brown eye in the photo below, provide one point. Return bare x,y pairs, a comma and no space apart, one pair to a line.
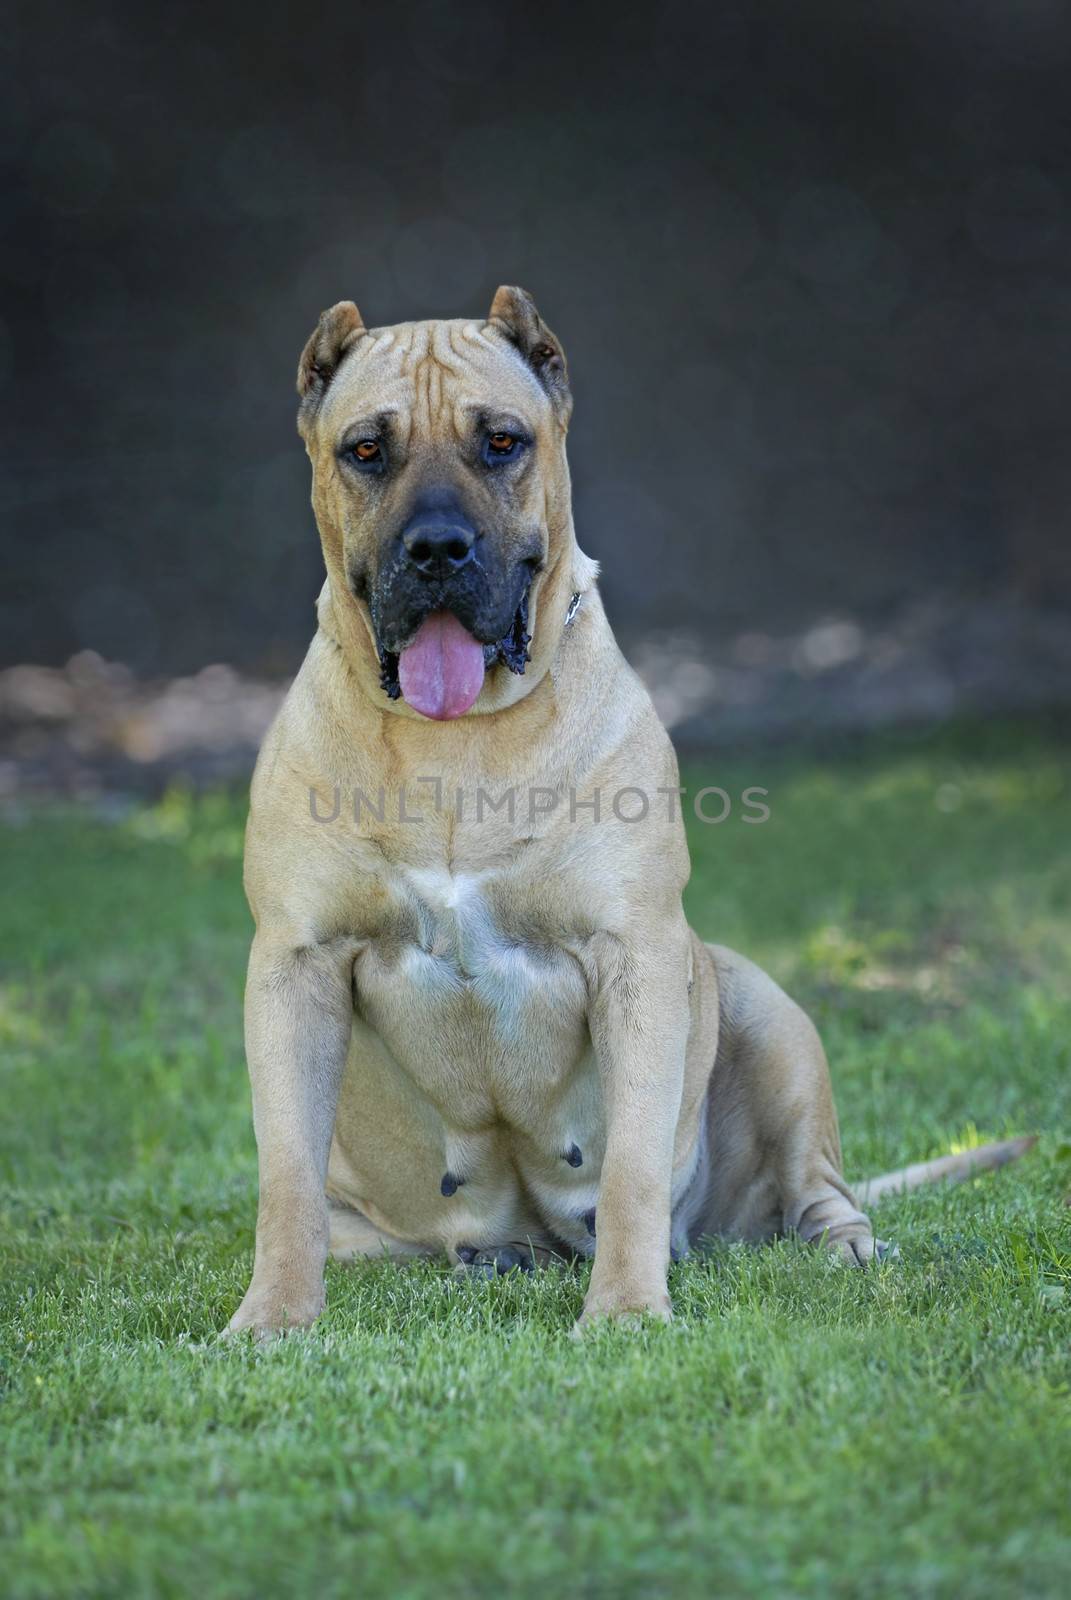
501,442
366,450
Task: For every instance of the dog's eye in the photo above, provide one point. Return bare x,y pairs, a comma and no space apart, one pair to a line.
367,450
501,446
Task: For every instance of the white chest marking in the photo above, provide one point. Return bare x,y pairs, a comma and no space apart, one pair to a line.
462,946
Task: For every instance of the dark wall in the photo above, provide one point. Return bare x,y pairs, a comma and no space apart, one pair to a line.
810,263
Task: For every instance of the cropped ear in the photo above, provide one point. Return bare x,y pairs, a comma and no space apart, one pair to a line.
337,329
513,312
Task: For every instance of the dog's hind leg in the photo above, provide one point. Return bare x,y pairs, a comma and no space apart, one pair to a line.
775,1162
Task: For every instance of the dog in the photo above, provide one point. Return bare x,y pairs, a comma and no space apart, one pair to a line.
477,1021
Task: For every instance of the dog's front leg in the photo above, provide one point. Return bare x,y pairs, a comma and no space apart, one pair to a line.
638,1016
298,1018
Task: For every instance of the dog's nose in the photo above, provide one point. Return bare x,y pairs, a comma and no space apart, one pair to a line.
437,545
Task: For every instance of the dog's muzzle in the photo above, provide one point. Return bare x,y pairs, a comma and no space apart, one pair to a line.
447,607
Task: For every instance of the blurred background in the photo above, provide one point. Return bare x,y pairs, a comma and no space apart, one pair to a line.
810,265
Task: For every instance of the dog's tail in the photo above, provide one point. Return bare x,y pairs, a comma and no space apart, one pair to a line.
946,1169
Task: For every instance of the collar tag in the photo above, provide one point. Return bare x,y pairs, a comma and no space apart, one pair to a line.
574,607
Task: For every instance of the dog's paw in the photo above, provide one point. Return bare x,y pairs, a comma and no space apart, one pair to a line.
271,1311
854,1249
624,1304
859,1249
494,1261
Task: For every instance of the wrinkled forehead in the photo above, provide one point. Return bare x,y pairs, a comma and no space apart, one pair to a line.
433,378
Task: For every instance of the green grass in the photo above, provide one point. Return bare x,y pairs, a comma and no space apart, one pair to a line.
799,1429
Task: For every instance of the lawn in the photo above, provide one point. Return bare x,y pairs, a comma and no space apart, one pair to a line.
799,1429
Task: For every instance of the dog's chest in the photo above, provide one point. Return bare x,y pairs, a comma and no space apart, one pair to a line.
473,997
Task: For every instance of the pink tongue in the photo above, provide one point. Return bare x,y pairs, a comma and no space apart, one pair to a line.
441,672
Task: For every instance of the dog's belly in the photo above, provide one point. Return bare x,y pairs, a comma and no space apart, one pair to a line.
471,1110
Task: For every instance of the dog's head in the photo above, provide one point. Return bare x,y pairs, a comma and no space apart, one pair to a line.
441,490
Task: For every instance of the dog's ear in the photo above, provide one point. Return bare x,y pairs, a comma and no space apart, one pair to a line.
338,329
513,312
